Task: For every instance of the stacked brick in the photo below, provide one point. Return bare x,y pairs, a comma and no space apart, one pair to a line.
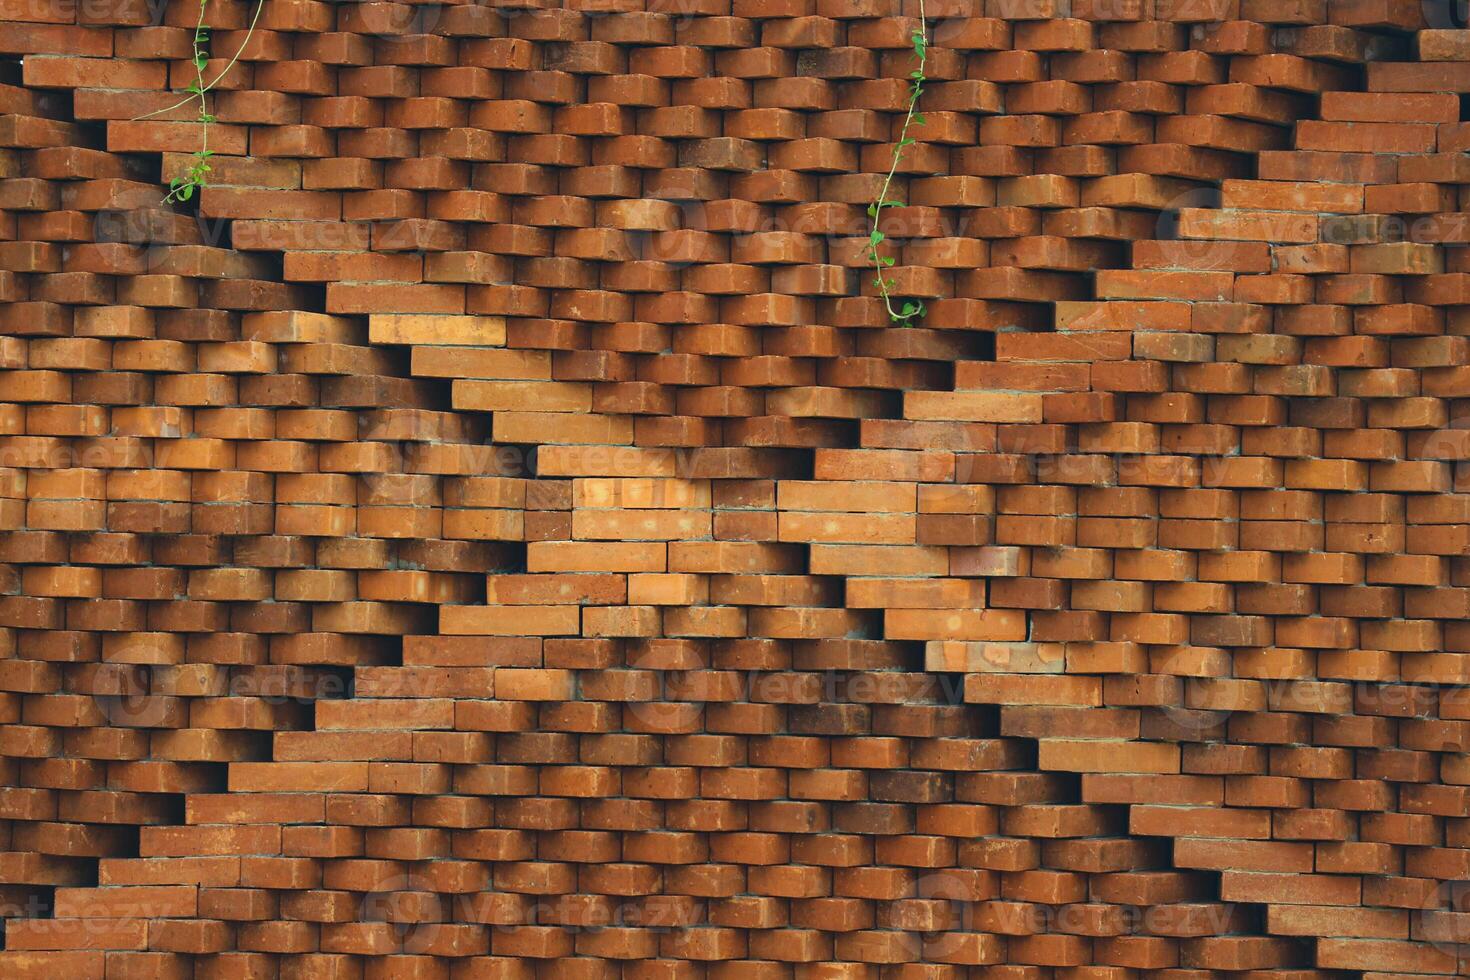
493,532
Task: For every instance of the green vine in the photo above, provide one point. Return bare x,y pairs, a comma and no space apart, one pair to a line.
911,309
183,187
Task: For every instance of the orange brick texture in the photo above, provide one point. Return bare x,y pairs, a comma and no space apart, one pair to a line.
493,531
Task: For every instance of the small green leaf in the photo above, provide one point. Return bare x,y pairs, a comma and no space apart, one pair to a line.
875,237
873,210
887,260
909,309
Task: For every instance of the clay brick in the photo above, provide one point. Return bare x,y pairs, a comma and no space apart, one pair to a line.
1166,479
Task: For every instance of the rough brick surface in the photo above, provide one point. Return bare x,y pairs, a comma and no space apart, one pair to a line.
494,533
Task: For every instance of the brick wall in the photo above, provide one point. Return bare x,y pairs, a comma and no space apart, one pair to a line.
493,531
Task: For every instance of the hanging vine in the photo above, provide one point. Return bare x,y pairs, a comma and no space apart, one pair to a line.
911,310
184,186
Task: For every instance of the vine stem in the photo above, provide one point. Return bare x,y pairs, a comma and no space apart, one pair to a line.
249,33
920,38
182,188
195,175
